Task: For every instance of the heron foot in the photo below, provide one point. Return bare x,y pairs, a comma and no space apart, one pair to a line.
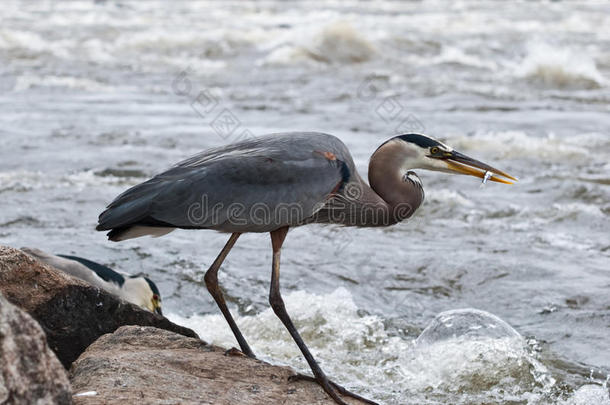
341,390
234,351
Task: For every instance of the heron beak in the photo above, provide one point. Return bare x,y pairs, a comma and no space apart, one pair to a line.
156,304
460,163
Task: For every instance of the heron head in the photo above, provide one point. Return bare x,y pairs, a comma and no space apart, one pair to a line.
143,292
155,300
428,153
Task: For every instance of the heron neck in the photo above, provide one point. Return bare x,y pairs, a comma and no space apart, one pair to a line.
387,177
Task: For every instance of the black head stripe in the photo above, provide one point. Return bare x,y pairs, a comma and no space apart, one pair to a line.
419,140
153,287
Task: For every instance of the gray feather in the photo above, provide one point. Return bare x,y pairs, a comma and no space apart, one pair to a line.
254,186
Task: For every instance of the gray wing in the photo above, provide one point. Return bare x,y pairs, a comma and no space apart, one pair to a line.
253,186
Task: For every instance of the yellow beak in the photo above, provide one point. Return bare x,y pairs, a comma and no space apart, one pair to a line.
463,164
156,303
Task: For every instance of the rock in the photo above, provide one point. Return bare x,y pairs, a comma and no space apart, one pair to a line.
145,365
72,313
29,371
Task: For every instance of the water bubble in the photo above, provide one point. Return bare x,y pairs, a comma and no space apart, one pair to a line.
466,323
473,351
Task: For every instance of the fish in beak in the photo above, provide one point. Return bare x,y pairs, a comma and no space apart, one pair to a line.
460,163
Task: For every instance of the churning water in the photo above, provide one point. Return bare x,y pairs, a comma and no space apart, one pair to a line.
96,96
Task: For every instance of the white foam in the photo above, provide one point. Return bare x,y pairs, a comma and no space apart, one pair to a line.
287,55
25,180
356,349
338,42
477,365
457,349
565,240
560,67
28,81
450,54
518,144
589,395
447,198
328,323
26,40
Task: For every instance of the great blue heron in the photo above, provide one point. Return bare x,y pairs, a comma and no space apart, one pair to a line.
272,183
138,290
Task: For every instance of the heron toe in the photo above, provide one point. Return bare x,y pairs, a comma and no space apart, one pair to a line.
340,389
234,351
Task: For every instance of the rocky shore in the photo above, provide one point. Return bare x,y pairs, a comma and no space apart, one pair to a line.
114,352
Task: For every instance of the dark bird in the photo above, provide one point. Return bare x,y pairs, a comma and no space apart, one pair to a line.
272,183
138,290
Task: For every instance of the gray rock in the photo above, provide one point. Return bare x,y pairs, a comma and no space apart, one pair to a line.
30,373
72,313
144,365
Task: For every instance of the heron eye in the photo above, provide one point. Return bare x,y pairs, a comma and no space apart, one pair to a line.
434,150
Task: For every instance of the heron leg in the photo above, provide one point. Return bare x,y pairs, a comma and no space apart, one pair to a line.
277,303
336,386
211,282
